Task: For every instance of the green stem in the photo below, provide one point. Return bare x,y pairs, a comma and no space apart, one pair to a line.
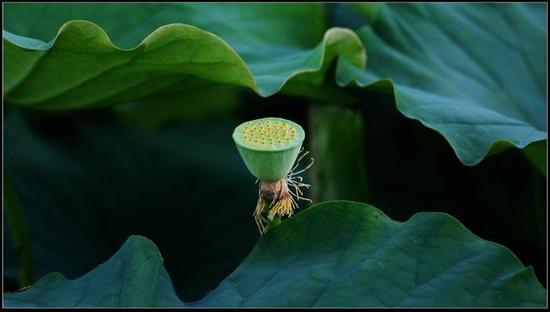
336,142
19,233
273,223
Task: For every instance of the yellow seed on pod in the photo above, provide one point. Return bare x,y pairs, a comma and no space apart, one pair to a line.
268,134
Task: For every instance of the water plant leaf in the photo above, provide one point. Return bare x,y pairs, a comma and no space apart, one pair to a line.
414,48
483,88
132,277
91,70
337,253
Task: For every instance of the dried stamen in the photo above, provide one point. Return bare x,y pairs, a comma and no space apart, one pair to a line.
283,201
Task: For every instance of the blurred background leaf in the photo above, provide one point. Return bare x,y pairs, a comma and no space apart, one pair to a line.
337,147
15,222
191,98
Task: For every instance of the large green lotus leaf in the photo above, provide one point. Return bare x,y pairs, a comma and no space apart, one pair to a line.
252,45
476,73
133,277
338,253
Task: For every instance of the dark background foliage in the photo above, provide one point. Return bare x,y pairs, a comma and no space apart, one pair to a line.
87,180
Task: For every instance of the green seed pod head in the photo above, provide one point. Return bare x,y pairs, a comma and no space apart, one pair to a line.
269,146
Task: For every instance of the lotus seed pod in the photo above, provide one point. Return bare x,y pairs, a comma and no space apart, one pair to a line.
269,146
